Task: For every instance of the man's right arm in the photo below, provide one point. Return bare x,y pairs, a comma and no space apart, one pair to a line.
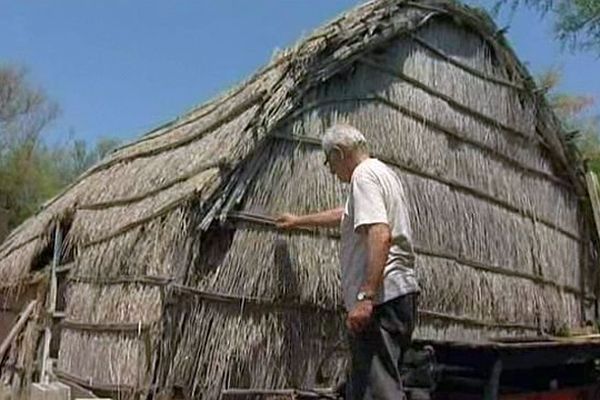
326,219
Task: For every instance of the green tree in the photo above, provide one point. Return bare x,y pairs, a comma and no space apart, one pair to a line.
76,156
576,22
31,171
25,111
576,114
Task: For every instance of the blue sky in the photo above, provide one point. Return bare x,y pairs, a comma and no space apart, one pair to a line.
120,67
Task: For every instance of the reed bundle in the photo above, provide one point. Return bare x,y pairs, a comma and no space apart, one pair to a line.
179,279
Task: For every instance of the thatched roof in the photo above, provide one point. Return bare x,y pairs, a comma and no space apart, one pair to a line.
182,214
173,162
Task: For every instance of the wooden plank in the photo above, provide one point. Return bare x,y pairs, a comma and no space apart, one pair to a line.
116,327
289,393
255,219
492,387
46,364
77,391
16,329
450,182
124,390
594,192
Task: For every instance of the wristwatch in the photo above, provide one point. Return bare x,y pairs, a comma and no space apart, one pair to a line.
362,295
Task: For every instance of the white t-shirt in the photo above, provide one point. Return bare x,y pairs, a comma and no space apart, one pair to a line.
376,196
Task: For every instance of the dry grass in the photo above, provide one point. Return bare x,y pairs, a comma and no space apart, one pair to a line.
19,363
163,186
16,266
102,358
232,347
155,249
124,303
444,331
304,269
454,289
295,181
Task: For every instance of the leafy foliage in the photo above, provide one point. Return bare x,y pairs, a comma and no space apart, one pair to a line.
582,127
576,22
31,171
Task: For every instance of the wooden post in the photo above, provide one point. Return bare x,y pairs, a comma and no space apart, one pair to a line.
593,187
20,324
492,388
3,223
584,265
51,306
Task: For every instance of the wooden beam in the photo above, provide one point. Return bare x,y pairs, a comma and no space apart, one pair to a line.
16,329
492,388
52,295
109,327
89,384
269,223
438,52
451,101
450,182
291,393
149,280
272,305
167,185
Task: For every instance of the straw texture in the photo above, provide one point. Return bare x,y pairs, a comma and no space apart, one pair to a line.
179,280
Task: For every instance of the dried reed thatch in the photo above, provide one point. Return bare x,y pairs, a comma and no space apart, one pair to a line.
179,280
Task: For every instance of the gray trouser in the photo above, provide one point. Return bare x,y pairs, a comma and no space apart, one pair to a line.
378,350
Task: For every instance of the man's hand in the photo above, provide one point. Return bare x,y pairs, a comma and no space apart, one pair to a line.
327,218
287,221
360,316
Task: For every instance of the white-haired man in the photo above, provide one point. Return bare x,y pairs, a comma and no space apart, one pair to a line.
378,282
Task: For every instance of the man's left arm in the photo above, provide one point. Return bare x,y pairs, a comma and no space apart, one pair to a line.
370,219
378,247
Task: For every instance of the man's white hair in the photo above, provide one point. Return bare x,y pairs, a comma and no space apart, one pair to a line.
345,136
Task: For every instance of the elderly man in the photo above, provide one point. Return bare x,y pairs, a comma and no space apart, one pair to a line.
378,281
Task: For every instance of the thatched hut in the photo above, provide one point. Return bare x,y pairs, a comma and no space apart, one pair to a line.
175,278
